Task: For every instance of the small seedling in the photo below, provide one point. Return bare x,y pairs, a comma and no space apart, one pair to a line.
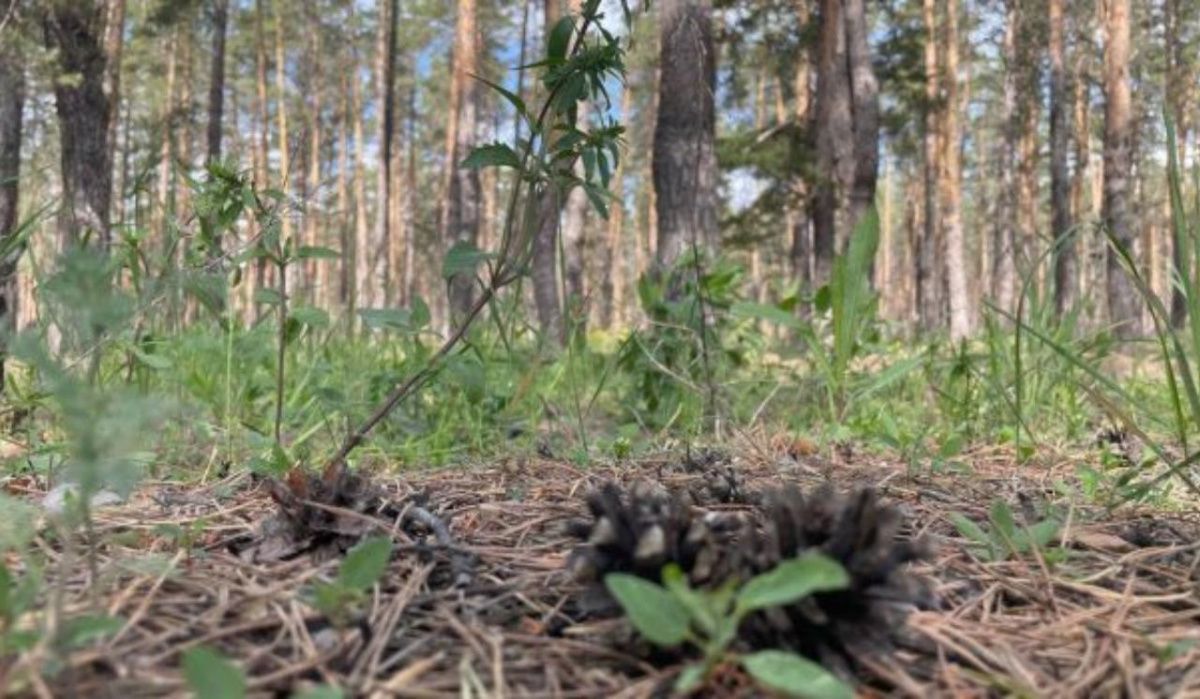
362,568
1004,539
211,676
674,613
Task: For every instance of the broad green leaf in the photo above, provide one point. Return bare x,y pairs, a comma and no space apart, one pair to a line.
696,603
322,692
267,296
311,316
763,311
690,679
492,155
792,581
1042,533
83,630
560,39
317,252
969,529
210,676
652,610
463,258
365,563
794,676
387,318
1001,517
420,315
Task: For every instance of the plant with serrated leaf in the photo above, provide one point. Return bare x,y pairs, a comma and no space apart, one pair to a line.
362,567
674,614
1004,538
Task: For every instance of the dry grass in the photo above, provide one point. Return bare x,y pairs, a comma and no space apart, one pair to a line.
1119,617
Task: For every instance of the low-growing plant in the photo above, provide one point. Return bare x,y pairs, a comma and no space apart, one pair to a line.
674,614
362,567
1004,538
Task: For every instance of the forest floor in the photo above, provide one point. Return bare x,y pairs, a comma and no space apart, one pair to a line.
1117,614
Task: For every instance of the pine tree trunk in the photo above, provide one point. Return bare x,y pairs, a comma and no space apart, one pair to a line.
545,245
834,138
363,271
460,220
76,32
337,291
929,283
961,321
684,157
216,82
285,156
1066,275
257,278
1004,248
865,104
12,84
797,214
1124,307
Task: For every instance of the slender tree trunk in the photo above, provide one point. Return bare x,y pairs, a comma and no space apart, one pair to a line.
285,155
1180,87
929,283
385,79
337,290
316,271
258,276
545,245
834,135
574,243
363,273
961,320
461,215
614,281
12,84
76,32
216,82
1066,278
114,42
798,216
864,90
1124,308
684,157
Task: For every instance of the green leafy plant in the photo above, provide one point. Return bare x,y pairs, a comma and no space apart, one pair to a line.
1004,538
362,567
673,614
211,676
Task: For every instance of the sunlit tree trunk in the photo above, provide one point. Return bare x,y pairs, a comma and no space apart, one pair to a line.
684,157
460,217
281,117
961,320
929,282
544,274
1124,308
385,79
316,271
798,214
575,214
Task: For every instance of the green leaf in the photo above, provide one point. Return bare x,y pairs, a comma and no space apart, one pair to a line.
492,155
153,361
365,563
316,252
560,39
969,529
764,311
267,296
84,630
17,523
311,316
652,610
791,581
212,677
1001,517
322,692
794,676
387,318
463,258
1041,534
420,315
689,679
517,103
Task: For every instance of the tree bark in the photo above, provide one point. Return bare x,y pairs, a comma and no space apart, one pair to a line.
545,245
1066,274
834,137
316,271
216,82
864,92
961,321
76,31
684,157
929,283
798,214
12,84
1124,308
285,156
460,219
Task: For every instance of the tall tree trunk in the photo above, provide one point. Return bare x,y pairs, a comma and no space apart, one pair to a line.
114,42
337,291
613,291
1003,248
574,243
834,137
76,31
961,320
1124,308
460,219
216,82
316,271
385,79
1180,89
363,274
285,155
864,92
1066,275
684,157
929,283
262,149
546,296
12,84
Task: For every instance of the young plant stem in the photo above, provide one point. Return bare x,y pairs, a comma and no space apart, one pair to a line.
281,267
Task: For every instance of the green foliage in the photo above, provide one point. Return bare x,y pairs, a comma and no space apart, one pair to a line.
675,613
1004,538
211,676
362,567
